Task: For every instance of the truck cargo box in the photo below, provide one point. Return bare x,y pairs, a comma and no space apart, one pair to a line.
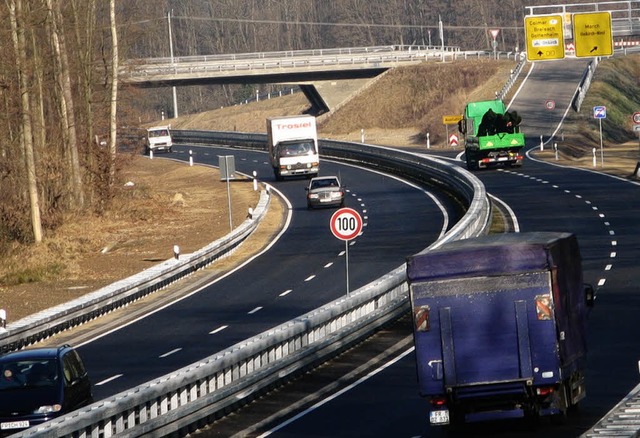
500,325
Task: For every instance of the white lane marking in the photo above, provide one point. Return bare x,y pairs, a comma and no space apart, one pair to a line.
602,282
612,233
169,353
341,253
257,309
614,242
607,223
514,218
608,267
218,330
337,394
286,292
613,255
310,277
105,381
601,215
328,265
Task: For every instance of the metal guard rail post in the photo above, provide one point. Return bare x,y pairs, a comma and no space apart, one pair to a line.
47,323
190,397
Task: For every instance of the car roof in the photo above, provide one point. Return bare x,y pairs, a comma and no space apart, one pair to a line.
320,178
34,353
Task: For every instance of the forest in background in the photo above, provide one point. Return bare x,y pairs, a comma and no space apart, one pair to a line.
58,88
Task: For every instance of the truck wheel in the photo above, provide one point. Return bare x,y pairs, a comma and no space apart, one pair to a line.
278,175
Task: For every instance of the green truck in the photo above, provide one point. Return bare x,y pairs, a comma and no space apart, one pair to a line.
491,135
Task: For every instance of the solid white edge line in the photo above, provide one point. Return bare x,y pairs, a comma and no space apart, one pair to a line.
337,394
266,248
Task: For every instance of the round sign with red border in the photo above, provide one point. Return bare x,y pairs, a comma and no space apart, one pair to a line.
636,117
346,223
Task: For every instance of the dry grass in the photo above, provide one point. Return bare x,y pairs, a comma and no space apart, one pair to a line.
172,203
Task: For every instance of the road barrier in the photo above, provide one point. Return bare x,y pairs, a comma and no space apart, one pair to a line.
188,398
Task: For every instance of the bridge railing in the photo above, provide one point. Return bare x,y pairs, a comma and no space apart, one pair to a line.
331,58
186,398
284,54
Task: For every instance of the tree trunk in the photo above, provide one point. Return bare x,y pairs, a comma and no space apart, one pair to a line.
67,110
17,31
114,91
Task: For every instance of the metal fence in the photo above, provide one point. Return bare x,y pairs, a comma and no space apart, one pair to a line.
192,396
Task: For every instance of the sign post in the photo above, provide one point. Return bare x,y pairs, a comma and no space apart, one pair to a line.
636,128
346,224
494,43
600,112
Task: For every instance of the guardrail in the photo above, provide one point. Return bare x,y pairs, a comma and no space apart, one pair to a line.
49,322
190,397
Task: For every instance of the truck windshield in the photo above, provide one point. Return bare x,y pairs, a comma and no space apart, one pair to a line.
296,149
161,133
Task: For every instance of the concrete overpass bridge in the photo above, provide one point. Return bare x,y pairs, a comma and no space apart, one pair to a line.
328,76
314,71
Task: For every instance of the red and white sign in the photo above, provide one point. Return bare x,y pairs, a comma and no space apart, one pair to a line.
453,140
346,223
494,33
636,117
549,104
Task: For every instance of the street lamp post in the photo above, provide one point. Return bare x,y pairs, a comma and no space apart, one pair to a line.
175,99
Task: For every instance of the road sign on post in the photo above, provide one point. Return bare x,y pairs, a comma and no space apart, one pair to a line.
600,112
346,224
592,34
544,37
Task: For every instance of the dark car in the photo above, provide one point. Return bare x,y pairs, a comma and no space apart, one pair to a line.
39,384
325,191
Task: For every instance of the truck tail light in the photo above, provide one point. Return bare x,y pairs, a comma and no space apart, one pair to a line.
438,401
545,391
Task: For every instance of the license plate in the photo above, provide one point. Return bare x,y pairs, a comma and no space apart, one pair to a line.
503,158
439,417
14,425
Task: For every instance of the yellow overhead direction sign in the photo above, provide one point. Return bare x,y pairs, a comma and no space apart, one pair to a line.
592,34
544,37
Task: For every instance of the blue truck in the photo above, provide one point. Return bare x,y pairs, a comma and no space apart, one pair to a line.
499,326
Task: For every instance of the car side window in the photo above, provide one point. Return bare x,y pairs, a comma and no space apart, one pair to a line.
73,367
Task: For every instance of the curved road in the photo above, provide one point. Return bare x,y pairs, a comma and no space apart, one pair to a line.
302,271
603,211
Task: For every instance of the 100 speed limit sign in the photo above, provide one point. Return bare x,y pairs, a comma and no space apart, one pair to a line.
346,223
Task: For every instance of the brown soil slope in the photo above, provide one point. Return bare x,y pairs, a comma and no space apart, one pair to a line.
171,203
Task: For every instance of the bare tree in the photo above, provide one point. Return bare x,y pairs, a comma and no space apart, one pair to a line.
20,46
113,131
67,111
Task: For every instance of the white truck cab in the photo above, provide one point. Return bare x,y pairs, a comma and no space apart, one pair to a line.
159,139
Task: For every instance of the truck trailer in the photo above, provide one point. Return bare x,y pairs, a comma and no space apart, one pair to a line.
293,146
491,135
499,326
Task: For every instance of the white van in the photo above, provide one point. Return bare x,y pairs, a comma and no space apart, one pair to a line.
158,139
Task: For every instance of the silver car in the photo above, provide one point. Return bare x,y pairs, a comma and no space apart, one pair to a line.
325,191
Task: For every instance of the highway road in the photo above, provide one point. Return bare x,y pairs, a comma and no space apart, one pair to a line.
603,212
302,271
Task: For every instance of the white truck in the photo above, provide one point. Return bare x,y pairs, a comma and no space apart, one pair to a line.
158,139
293,146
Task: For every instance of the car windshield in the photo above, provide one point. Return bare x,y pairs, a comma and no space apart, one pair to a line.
28,373
296,149
323,183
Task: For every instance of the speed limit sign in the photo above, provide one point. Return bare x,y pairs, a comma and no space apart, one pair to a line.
346,223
